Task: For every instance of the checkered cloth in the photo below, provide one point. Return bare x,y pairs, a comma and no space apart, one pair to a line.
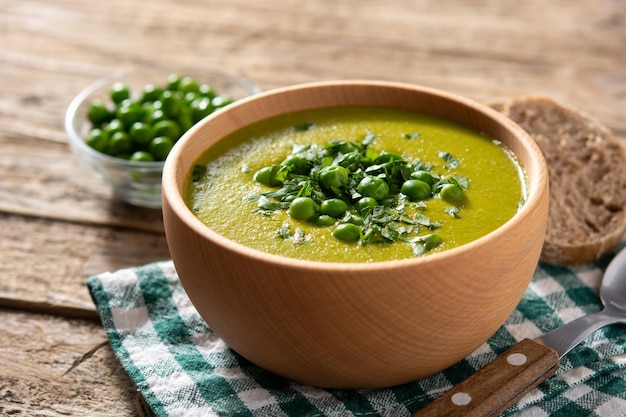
183,369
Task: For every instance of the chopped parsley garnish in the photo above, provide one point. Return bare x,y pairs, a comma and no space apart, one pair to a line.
453,211
450,160
304,126
364,195
199,171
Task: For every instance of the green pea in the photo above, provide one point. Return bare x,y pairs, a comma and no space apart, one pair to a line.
452,193
151,92
147,108
155,105
303,208
267,176
347,232
206,91
387,157
119,92
334,207
98,113
325,221
156,115
190,96
297,164
141,156
140,133
119,144
365,205
97,139
173,80
416,190
113,126
201,108
129,114
425,176
160,147
168,128
373,187
334,177
171,102
184,119
188,84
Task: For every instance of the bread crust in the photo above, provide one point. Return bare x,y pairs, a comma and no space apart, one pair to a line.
587,173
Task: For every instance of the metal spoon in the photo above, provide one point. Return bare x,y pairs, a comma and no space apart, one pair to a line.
512,374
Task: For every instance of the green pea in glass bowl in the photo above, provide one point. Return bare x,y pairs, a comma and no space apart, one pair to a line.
122,127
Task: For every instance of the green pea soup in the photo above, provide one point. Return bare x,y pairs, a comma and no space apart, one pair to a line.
221,197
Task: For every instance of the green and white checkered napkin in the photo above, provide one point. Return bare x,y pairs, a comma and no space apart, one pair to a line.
183,369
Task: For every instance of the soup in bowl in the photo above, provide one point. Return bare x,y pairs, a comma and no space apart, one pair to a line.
299,257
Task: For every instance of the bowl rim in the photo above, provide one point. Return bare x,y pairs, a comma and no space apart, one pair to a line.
76,139
172,197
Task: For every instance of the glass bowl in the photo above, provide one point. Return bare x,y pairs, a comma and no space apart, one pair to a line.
137,183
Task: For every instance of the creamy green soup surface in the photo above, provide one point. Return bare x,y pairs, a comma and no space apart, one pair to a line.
223,193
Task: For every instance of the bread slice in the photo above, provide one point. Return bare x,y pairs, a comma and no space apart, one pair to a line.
587,171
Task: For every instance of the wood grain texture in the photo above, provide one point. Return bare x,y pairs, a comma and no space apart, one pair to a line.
59,225
305,320
45,263
56,367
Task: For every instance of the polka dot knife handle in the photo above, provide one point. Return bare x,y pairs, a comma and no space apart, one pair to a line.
498,385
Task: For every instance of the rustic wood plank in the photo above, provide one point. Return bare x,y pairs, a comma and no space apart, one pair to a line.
480,48
43,180
47,270
57,367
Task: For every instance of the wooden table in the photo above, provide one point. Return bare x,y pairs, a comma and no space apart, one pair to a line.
58,225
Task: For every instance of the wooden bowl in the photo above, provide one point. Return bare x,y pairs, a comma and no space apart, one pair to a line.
365,325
